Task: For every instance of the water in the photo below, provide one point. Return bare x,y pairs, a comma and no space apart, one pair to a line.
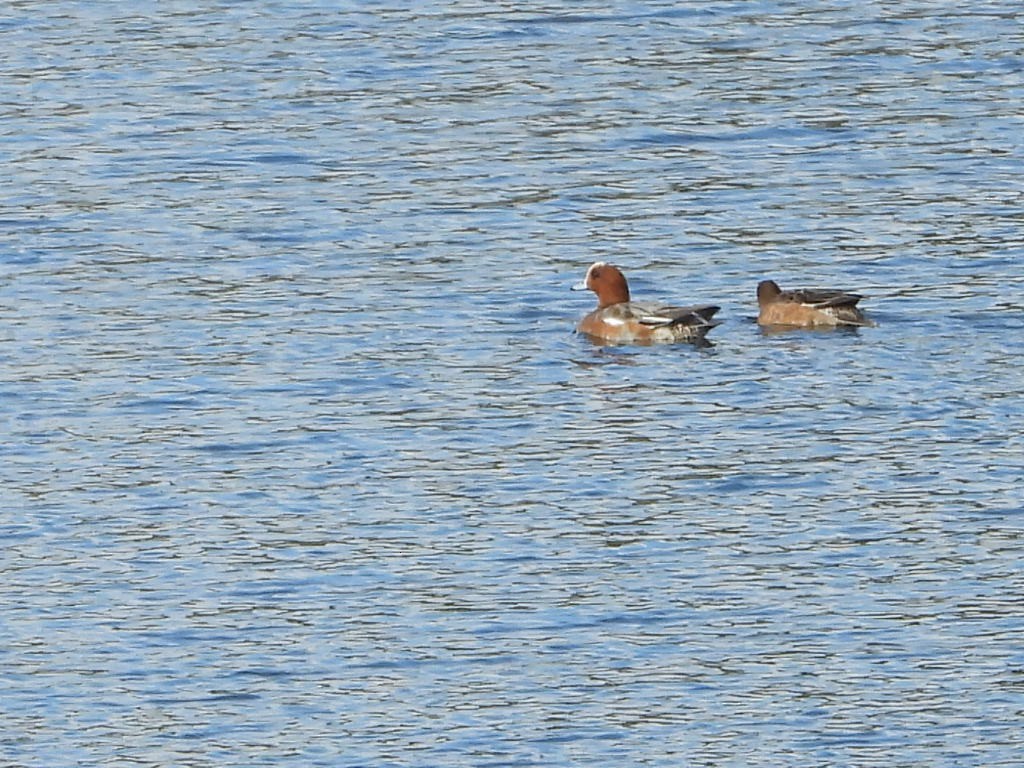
303,464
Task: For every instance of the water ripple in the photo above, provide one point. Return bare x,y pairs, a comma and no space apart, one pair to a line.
305,466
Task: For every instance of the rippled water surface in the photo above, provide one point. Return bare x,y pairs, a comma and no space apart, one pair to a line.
303,463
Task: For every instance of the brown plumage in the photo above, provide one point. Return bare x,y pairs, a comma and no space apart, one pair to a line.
618,319
807,307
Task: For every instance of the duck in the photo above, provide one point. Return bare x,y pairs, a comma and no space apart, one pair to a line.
620,320
808,307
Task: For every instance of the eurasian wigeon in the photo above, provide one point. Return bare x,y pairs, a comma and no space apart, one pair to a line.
807,307
620,320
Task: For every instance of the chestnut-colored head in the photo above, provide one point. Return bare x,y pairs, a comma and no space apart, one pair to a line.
608,282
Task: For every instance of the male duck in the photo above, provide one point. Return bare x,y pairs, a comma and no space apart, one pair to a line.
617,319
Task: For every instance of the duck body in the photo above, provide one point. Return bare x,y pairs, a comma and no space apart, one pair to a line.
617,319
808,307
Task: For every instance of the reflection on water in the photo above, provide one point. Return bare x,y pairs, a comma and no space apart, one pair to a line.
304,464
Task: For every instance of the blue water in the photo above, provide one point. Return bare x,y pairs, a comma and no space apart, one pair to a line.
303,464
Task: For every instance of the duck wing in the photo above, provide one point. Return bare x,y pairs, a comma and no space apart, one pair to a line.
822,298
657,315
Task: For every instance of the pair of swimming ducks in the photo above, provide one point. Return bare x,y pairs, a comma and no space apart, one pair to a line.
617,319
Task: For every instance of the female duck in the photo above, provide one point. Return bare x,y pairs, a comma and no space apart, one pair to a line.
808,307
